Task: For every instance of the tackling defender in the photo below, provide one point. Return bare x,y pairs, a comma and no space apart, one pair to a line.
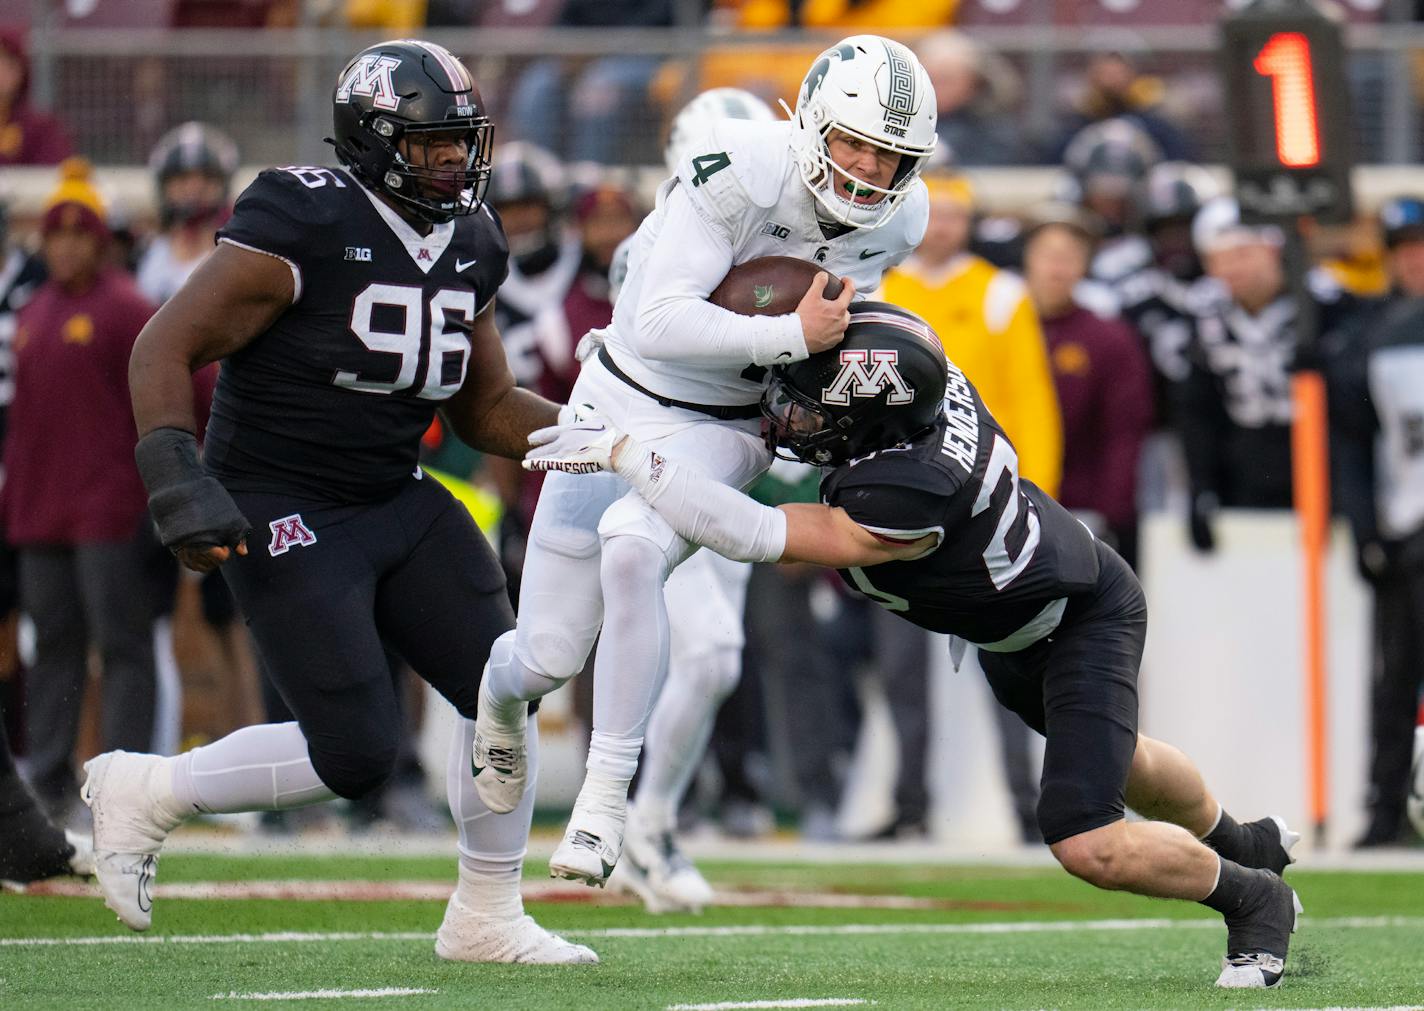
347,305
839,185
924,512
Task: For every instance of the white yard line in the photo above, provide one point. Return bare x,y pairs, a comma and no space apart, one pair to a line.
385,991
790,930
727,1005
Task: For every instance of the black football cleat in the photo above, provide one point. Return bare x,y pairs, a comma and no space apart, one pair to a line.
1258,935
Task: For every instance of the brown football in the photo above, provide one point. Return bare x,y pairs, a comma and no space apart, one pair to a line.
769,286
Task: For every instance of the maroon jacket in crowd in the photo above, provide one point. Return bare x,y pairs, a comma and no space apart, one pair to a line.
28,136
1105,393
70,476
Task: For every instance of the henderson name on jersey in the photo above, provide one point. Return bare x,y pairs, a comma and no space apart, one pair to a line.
747,200
960,482
333,398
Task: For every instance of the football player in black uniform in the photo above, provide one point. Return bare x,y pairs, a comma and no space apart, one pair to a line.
347,305
924,512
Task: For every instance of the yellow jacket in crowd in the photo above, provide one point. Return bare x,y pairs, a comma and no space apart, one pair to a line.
990,330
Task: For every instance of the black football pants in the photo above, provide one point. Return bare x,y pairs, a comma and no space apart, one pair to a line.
413,573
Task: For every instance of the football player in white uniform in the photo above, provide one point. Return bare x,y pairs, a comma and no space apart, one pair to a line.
706,596
839,185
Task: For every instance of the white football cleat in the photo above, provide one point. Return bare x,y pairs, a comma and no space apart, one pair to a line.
656,870
465,936
593,840
134,809
500,762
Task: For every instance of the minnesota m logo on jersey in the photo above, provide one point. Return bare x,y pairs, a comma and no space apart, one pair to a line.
855,380
370,76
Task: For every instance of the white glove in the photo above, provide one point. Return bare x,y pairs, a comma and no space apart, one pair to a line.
583,447
588,345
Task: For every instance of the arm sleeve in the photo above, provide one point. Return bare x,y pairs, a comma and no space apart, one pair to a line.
702,510
675,322
1036,425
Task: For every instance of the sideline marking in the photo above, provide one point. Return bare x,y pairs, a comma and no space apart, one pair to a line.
809,930
795,1002
385,991
538,891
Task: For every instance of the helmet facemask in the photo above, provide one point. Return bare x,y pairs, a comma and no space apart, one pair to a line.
436,194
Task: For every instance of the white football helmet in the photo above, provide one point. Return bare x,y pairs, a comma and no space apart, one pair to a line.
874,89
695,118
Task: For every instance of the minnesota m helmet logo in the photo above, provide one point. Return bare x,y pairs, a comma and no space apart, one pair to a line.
856,380
370,76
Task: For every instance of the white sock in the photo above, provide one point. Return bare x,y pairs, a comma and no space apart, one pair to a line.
612,760
678,732
492,846
261,768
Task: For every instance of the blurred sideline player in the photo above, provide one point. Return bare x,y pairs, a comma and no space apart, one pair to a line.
192,165
706,600
925,513
347,305
839,185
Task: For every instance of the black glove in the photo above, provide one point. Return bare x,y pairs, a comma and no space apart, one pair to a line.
190,508
1200,520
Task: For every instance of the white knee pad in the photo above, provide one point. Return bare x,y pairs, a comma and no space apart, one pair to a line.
529,676
632,516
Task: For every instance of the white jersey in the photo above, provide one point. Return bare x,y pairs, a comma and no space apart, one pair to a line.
161,273
737,195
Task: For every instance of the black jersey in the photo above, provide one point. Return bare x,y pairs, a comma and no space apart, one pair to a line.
1008,555
333,398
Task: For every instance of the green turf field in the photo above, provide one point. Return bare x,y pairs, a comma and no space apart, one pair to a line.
975,937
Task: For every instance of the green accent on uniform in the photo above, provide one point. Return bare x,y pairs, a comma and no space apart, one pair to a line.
708,165
814,77
761,295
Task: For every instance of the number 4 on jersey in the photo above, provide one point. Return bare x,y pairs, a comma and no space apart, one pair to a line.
708,165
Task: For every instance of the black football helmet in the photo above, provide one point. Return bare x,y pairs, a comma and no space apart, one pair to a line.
192,147
880,386
409,90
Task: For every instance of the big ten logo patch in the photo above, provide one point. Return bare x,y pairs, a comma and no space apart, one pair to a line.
287,533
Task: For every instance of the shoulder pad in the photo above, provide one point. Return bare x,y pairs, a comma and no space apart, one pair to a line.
736,165
891,490
290,211
914,216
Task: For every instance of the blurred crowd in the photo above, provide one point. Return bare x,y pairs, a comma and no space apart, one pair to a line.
1134,336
